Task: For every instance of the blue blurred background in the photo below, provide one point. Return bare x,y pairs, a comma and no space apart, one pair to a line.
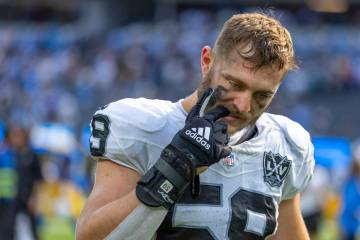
62,60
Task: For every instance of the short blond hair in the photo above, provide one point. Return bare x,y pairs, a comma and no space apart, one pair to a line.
262,39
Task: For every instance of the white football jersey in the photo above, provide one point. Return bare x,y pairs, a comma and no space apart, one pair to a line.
240,194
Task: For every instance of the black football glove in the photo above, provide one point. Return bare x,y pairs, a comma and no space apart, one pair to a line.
201,143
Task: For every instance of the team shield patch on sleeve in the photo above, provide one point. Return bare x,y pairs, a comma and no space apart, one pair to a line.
276,168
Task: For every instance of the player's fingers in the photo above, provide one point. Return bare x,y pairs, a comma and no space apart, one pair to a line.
225,151
220,131
216,113
220,126
212,99
200,104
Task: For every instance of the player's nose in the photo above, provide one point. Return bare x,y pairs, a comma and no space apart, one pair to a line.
242,101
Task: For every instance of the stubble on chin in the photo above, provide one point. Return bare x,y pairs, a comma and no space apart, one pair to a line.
233,129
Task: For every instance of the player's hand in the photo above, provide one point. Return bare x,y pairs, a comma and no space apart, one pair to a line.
201,143
204,137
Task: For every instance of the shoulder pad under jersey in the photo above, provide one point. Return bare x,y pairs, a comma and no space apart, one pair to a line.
141,113
130,123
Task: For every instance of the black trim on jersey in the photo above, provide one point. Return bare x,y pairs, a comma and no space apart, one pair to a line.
242,202
249,135
102,135
184,234
259,203
209,195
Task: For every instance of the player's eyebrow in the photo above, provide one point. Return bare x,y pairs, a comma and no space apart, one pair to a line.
242,84
236,80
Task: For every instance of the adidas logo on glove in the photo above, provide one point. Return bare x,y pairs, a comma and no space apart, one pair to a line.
199,135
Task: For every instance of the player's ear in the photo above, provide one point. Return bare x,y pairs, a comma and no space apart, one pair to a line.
206,59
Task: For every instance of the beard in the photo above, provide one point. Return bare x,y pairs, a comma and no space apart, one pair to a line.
232,128
205,83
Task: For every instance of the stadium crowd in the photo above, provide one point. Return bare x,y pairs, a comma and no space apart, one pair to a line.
47,75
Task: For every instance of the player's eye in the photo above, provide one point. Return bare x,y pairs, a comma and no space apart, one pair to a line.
234,84
263,96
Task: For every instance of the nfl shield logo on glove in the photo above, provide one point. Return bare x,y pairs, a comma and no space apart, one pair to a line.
276,168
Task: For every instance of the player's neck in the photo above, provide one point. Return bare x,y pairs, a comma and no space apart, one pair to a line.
189,101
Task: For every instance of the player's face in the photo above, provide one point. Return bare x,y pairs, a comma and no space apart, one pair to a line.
247,93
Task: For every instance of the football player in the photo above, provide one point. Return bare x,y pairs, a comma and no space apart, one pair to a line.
214,165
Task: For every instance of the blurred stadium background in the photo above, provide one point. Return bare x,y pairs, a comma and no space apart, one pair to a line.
62,60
